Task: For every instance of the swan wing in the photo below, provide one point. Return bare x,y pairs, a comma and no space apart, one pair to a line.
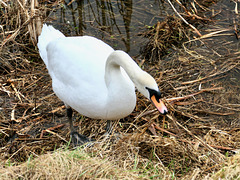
76,60
77,68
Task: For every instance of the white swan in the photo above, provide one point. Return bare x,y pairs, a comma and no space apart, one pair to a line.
92,78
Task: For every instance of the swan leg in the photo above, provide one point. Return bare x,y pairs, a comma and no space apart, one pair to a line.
109,131
77,139
109,127
69,115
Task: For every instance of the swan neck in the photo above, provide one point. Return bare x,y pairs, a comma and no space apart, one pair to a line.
119,59
120,88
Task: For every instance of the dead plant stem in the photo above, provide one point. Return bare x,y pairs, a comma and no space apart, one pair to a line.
195,29
199,139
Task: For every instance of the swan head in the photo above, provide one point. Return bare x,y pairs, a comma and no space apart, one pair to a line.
149,88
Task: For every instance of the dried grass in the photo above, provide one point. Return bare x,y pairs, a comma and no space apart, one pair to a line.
229,171
21,19
162,36
199,136
74,164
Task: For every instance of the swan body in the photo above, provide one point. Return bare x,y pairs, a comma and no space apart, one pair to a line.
92,78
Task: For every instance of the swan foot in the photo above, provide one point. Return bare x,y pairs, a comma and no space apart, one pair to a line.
110,134
79,139
76,138
112,137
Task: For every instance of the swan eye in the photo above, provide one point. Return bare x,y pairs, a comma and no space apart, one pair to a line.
155,93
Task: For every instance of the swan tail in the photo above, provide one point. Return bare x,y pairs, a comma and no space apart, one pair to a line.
48,34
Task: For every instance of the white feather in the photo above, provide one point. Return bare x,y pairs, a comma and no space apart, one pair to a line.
89,76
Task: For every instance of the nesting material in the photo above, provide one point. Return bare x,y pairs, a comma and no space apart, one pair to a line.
200,135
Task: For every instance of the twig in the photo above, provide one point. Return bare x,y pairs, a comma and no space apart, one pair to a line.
31,139
50,129
152,129
57,135
202,7
235,29
57,109
190,116
236,7
194,94
3,3
198,33
144,113
13,113
187,102
196,137
213,166
214,146
15,152
25,117
36,114
17,93
209,112
163,130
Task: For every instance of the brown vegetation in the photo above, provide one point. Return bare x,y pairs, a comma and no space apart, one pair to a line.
200,135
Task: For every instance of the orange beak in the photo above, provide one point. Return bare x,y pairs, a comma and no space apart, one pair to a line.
159,105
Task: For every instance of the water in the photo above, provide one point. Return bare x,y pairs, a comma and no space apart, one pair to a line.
119,22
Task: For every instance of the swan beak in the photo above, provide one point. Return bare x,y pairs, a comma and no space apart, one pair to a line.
159,105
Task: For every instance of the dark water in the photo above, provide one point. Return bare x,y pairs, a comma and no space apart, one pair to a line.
119,22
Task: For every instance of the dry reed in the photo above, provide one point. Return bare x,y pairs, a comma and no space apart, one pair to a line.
200,85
